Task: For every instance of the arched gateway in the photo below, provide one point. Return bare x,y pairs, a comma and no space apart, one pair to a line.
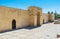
13,24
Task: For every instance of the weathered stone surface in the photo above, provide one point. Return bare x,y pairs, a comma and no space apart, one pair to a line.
31,17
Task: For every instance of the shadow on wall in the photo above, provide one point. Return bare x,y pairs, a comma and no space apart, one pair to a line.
30,27
50,21
43,21
27,27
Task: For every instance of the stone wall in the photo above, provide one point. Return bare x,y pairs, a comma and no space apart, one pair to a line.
45,18
35,16
51,17
7,15
31,17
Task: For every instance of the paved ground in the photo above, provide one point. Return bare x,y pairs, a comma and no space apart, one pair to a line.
46,31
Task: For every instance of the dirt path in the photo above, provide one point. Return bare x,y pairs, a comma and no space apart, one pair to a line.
46,31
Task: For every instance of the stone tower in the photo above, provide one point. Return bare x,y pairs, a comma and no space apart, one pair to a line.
35,16
51,17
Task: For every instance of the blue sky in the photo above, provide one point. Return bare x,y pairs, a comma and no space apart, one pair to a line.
46,5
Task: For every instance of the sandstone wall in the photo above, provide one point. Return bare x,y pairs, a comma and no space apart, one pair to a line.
7,15
31,17
45,18
35,16
51,17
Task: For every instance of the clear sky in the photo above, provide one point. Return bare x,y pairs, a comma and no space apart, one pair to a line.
46,5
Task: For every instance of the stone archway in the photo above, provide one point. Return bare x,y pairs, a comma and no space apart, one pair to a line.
43,21
38,19
13,24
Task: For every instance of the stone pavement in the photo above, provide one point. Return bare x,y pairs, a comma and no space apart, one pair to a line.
46,31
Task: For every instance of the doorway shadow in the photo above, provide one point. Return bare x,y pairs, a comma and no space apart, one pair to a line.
13,24
27,27
30,27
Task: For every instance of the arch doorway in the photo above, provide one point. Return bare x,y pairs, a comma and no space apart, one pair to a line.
13,24
38,19
43,21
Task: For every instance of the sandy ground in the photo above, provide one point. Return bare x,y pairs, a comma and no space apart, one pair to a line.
46,31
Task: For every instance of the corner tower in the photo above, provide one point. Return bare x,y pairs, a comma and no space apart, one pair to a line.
50,17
